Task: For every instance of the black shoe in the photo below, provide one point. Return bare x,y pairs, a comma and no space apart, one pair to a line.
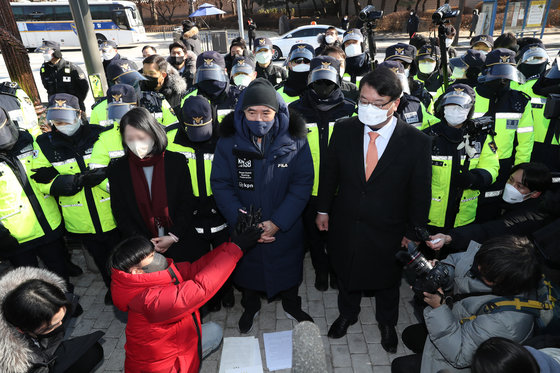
340,326
334,281
246,321
228,300
73,269
108,298
389,339
321,281
299,315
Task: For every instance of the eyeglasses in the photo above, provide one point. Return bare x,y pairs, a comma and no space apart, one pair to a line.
379,106
300,60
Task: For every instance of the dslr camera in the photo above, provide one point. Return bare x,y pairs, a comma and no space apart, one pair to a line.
369,14
428,278
444,12
476,126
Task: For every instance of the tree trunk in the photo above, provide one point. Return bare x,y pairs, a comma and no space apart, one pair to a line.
424,5
15,55
346,6
417,5
317,11
357,6
153,11
382,6
288,11
234,8
396,5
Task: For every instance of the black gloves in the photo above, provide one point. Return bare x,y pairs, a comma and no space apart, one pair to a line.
44,175
65,185
464,180
10,244
247,232
91,178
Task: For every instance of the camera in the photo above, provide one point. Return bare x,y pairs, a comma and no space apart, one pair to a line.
444,12
428,278
369,14
476,126
552,106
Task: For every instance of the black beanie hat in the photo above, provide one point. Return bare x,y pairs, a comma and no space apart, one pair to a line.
260,92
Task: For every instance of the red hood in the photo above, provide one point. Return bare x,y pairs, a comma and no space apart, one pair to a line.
125,286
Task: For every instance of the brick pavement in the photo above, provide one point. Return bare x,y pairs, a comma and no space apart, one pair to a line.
359,351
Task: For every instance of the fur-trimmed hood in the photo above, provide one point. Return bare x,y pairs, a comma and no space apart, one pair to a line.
192,32
174,83
15,354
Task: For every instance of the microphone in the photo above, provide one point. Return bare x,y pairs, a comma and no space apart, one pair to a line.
308,354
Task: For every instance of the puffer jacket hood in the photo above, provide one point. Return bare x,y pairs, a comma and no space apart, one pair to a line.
15,354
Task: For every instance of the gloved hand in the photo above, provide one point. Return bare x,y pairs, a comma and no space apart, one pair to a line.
10,244
44,175
91,178
247,232
464,180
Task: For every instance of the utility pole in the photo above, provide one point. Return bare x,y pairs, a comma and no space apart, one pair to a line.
240,19
15,55
88,41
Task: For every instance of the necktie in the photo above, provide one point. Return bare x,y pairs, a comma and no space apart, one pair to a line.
371,156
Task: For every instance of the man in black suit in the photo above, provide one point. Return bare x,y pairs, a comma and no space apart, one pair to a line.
379,168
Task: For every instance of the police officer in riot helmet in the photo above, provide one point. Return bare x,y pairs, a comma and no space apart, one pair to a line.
298,63
321,104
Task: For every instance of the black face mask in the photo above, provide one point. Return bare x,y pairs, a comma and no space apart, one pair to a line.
532,70
323,88
150,84
493,88
212,88
177,60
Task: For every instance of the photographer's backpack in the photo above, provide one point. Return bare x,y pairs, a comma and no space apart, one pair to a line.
545,309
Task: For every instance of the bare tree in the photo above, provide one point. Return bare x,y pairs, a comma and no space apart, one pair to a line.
166,9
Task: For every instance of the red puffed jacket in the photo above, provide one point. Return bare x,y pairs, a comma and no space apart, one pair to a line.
163,329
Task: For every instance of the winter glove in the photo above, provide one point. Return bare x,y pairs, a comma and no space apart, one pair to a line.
65,185
44,175
91,178
464,180
247,232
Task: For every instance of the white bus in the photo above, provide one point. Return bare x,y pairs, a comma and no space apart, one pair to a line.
119,21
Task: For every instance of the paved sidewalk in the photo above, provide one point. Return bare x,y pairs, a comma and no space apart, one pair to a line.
360,351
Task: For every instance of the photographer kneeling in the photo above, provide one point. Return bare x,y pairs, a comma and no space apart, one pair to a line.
162,298
503,267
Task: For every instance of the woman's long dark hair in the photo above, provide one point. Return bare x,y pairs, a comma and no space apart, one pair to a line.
33,304
497,355
141,119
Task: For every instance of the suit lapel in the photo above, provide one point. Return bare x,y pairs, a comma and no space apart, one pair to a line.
358,151
394,147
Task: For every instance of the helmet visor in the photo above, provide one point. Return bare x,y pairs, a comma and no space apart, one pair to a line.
115,111
502,71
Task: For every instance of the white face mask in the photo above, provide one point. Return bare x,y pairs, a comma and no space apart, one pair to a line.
455,115
141,148
459,73
371,115
263,57
69,129
427,67
353,50
48,56
242,80
108,55
407,72
329,39
341,72
512,195
448,42
301,67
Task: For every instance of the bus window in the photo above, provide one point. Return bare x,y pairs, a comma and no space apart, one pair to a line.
119,17
100,12
38,13
133,17
62,13
18,13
